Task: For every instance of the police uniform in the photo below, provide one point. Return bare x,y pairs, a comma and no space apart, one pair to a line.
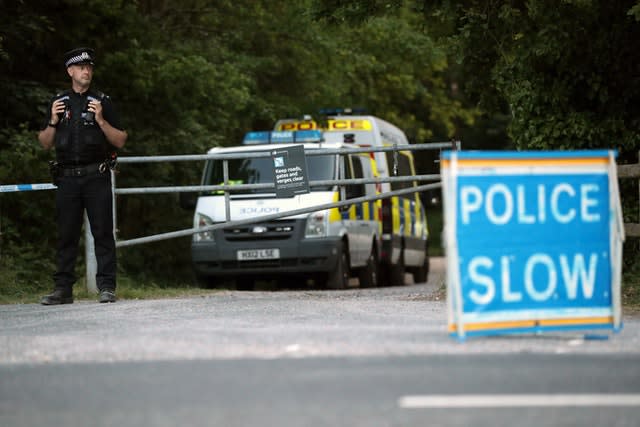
84,183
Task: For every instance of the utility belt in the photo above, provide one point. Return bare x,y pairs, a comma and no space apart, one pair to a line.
57,170
92,169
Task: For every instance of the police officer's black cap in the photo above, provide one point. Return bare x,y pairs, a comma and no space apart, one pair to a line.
78,56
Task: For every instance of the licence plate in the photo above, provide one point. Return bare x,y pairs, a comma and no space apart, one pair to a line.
255,254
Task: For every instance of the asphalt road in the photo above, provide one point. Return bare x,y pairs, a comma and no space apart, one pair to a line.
370,357
360,391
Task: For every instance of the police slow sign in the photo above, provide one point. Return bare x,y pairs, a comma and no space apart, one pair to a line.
533,241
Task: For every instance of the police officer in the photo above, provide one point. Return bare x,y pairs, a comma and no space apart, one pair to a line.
84,127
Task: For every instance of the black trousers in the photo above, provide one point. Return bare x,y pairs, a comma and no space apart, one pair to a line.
75,194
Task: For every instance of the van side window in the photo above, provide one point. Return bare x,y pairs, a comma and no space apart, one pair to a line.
404,169
355,190
345,167
320,168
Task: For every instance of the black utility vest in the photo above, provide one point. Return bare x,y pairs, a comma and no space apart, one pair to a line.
79,140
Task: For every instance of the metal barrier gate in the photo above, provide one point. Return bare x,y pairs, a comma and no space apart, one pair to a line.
226,188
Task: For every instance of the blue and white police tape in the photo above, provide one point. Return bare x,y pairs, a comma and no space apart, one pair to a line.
26,187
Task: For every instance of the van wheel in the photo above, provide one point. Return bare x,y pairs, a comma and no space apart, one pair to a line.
421,274
396,272
339,278
244,283
369,276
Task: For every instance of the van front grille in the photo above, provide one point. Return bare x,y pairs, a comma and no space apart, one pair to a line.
274,230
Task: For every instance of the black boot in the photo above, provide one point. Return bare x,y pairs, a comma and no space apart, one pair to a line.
58,296
107,295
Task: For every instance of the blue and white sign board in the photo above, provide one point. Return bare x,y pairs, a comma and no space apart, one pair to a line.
533,241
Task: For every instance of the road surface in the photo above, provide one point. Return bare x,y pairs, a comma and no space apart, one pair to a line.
358,357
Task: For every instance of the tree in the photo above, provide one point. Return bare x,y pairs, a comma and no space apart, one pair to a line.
564,69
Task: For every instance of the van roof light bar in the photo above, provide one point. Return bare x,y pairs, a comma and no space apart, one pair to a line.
282,137
342,111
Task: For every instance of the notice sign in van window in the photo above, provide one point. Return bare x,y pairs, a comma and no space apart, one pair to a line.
534,241
290,171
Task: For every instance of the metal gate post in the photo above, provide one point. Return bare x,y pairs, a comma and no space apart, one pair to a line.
90,257
227,203
91,264
113,203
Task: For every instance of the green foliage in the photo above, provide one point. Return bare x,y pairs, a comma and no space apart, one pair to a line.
571,84
190,75
395,68
413,93
21,275
631,273
436,228
564,72
565,81
635,11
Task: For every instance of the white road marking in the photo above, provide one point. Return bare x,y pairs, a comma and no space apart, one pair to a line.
292,348
516,400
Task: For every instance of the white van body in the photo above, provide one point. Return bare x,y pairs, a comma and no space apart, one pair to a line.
327,246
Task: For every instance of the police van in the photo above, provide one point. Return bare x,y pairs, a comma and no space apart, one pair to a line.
404,245
328,246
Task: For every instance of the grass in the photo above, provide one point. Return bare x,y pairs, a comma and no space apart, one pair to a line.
27,286
631,276
128,289
631,292
631,297
434,220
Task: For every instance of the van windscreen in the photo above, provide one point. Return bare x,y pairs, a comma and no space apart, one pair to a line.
260,171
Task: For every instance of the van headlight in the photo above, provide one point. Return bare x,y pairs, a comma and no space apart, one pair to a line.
317,224
203,221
